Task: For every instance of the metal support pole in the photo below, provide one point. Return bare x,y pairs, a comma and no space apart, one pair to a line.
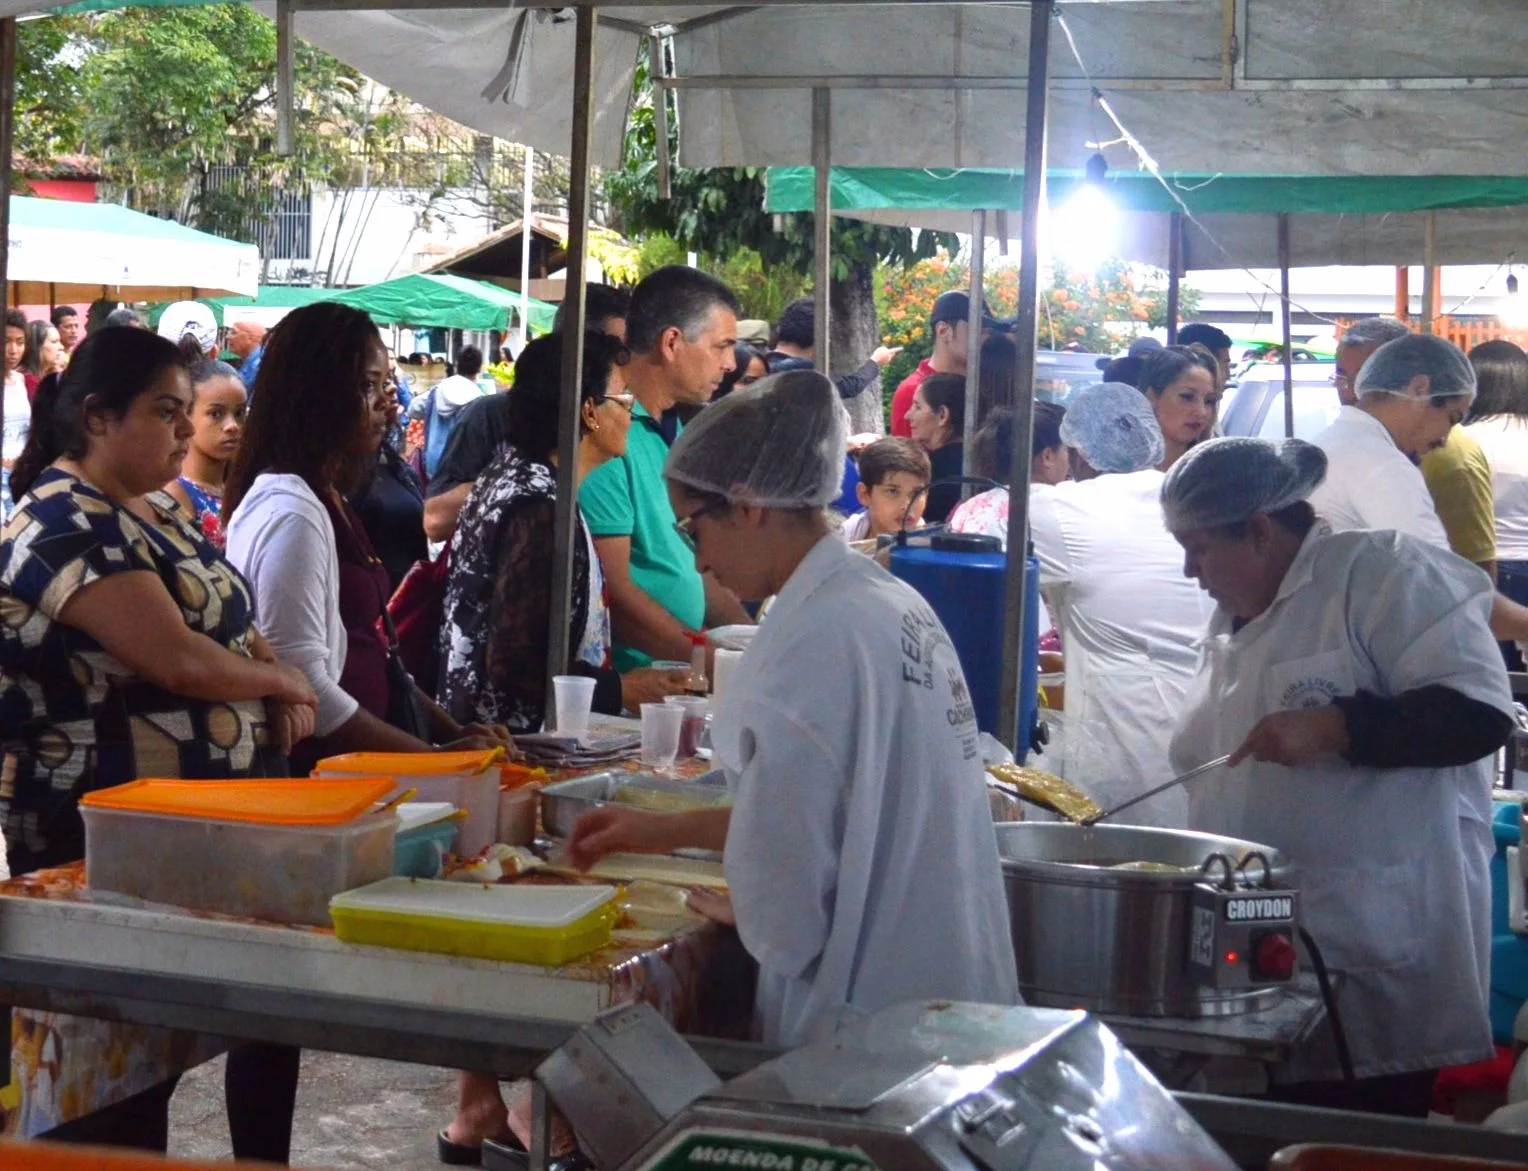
285,98
974,336
1403,292
1429,271
657,69
1026,334
1289,357
1174,274
7,135
527,204
572,351
822,226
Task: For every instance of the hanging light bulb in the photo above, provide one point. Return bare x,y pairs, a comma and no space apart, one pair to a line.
1085,227
1514,311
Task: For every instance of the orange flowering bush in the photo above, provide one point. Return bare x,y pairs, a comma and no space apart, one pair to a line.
1078,307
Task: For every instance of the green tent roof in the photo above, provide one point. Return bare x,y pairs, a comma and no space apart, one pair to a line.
269,297
867,188
439,300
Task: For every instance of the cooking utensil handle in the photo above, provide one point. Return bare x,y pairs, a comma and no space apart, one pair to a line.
1174,783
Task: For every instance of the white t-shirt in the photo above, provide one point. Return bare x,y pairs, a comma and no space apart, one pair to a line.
1371,483
18,415
1504,439
281,539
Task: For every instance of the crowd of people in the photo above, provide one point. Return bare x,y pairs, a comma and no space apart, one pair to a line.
267,525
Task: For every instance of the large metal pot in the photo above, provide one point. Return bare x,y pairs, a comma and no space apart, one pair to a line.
1116,941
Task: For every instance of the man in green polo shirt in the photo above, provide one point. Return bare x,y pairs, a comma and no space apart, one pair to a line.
681,330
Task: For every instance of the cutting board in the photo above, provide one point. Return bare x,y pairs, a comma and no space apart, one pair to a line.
662,868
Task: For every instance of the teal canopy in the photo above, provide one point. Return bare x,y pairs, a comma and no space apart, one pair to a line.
868,188
441,301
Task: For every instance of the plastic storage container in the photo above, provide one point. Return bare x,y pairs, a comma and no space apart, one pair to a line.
519,924
424,839
276,850
469,780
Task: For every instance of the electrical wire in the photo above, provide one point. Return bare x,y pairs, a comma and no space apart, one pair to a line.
1149,164
1334,1018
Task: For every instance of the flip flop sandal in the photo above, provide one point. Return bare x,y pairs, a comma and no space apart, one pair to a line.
457,1154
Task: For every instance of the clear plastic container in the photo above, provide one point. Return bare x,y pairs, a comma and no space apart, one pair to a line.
283,873
469,780
518,924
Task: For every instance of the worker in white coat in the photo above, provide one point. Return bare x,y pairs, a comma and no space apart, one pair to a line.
1354,681
1130,623
859,851
1411,392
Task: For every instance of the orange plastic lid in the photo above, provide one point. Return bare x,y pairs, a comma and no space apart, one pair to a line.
410,764
300,801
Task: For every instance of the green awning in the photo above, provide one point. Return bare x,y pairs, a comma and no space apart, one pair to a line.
867,188
442,301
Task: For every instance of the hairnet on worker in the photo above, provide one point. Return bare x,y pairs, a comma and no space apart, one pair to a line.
1227,481
779,443
1114,428
1396,365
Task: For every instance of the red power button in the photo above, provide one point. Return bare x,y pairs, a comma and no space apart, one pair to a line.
1274,957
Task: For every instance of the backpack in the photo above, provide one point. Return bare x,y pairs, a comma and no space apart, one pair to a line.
417,608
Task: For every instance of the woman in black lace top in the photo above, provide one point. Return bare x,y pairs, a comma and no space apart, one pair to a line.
499,595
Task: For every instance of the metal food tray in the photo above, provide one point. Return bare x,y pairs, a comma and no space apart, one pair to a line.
564,802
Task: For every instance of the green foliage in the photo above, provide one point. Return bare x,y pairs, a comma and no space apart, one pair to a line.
764,292
50,102
720,211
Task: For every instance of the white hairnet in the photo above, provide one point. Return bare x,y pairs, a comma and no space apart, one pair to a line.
776,444
1114,427
1226,481
1392,367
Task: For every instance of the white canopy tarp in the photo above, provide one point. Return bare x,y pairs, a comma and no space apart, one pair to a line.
1363,87
62,251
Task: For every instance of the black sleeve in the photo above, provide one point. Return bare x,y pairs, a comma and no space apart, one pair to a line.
1430,727
607,687
470,448
854,384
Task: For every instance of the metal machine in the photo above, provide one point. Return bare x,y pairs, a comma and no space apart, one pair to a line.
1148,922
916,1086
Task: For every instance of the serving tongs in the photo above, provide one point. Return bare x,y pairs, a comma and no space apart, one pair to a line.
1182,778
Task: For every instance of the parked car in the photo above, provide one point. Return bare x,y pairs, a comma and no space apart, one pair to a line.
1255,406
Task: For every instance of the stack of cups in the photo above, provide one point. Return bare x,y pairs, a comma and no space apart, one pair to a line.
722,669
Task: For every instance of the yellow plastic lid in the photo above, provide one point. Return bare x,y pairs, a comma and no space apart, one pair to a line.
300,801
410,764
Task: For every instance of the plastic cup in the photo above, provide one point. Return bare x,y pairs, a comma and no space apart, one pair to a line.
724,665
661,725
693,726
670,665
573,695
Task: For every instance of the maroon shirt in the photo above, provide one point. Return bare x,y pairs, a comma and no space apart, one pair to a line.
364,590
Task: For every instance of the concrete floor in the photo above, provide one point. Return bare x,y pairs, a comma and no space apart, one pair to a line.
352,1113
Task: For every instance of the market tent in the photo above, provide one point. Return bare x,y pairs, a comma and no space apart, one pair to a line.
278,297
62,251
1282,86
1335,219
439,300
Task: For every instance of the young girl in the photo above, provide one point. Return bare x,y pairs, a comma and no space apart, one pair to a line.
217,413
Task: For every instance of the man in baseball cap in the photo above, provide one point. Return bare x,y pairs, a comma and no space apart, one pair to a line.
950,325
190,319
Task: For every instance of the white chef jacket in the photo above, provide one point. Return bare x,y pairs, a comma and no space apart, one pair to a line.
1504,439
861,855
1371,483
1130,625
1388,884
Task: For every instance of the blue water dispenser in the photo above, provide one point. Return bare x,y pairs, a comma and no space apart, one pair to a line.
962,576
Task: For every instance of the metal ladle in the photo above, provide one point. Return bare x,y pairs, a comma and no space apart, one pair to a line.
1172,784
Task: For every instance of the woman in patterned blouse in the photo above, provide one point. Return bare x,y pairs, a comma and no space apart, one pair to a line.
186,688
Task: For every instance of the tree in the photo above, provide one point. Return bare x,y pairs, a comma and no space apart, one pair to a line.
50,105
720,211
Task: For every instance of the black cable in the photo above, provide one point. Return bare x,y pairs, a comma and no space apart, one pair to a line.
1339,1037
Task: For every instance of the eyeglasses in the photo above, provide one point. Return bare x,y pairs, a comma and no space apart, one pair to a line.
1342,381
686,527
626,402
